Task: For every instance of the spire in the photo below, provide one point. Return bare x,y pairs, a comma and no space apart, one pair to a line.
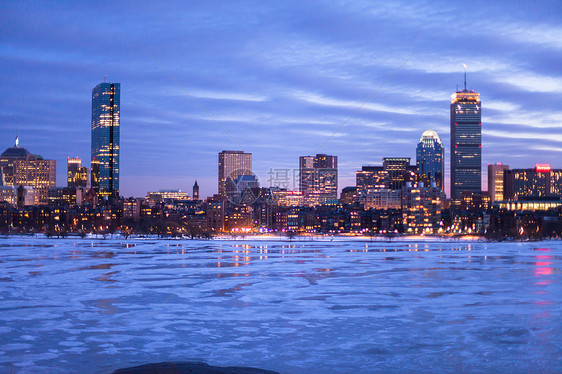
17,142
464,76
105,79
195,185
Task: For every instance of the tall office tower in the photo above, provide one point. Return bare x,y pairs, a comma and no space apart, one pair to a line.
430,158
233,164
105,136
496,181
77,175
397,169
466,142
318,178
21,168
195,191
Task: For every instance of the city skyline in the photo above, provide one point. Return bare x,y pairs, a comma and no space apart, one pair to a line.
295,88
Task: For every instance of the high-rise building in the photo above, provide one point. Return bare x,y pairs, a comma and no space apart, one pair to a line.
430,158
77,175
398,169
496,181
233,164
371,177
21,168
466,142
539,182
195,191
105,138
318,178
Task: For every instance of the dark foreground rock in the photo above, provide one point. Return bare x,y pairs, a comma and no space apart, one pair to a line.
189,368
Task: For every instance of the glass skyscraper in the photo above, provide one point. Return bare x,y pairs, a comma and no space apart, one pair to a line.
430,158
232,164
105,138
466,143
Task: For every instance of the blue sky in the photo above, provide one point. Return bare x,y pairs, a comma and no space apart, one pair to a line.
281,78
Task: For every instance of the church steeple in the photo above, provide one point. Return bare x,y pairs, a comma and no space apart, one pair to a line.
195,191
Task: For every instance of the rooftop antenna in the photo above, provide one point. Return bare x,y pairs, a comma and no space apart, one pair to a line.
105,79
464,76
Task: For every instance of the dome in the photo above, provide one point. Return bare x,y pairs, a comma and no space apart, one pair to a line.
16,153
430,135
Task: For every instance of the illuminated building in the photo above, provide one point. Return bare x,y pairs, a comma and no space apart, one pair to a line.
495,181
370,177
132,208
466,142
538,182
430,158
68,196
318,178
105,138
348,195
380,198
282,197
7,161
21,168
77,175
166,195
195,191
398,169
421,208
17,196
233,164
392,175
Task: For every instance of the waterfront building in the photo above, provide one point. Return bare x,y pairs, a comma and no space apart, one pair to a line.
539,182
318,178
21,168
496,181
77,175
232,164
466,142
430,158
105,147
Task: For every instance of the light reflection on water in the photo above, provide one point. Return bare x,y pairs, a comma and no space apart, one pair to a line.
297,307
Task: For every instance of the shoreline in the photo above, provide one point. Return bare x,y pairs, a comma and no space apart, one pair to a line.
284,238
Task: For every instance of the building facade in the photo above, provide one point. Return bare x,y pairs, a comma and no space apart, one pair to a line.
105,138
78,176
430,158
539,182
466,143
21,168
318,178
232,164
496,181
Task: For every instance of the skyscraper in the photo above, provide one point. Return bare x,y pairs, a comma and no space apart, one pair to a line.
430,158
398,169
105,137
466,142
496,181
233,164
318,178
77,175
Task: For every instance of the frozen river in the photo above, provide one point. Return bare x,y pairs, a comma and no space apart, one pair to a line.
92,306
